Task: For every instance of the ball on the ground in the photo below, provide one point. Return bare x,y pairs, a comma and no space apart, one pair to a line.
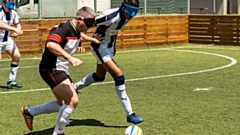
133,130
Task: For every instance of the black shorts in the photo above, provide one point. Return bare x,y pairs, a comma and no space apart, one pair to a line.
53,77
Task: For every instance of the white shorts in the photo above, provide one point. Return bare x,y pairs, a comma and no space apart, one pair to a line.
103,53
8,45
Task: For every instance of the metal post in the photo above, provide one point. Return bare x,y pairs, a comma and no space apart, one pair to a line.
95,6
145,7
229,7
238,5
40,9
214,6
188,8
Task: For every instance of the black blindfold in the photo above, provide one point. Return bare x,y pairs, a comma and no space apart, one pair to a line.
89,22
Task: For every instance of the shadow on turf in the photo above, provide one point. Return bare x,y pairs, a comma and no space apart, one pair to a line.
5,87
75,122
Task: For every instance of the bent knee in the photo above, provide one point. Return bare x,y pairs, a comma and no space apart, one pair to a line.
74,102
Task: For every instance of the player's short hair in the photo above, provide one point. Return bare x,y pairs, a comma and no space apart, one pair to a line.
85,11
134,3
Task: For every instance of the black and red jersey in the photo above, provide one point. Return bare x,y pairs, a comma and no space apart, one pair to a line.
65,35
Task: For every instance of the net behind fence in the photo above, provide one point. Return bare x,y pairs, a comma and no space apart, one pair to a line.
159,6
50,9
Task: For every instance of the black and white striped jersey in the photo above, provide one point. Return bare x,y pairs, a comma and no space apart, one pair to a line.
66,35
8,18
109,23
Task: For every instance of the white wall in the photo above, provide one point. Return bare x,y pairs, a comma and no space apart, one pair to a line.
102,5
89,3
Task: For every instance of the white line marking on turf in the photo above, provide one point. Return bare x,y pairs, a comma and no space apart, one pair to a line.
89,53
126,51
233,62
203,89
141,50
20,67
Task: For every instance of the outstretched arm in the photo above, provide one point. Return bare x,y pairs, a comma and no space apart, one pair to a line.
97,39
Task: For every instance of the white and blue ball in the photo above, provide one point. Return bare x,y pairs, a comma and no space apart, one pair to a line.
133,130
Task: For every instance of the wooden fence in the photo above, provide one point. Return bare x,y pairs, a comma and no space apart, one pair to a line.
214,29
140,31
147,31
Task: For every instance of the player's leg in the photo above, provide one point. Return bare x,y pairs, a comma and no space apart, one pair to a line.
66,92
12,50
46,108
119,80
29,112
91,78
100,73
53,79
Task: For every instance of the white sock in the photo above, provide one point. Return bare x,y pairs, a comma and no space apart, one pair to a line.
86,81
63,116
49,107
123,97
13,72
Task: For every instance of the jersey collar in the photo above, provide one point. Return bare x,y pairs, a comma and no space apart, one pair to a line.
74,27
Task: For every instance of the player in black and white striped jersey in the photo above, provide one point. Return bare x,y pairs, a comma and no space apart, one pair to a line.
109,23
8,17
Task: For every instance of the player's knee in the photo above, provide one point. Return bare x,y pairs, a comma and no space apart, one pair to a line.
120,80
74,102
97,78
16,57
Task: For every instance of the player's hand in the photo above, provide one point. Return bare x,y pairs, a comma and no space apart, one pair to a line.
75,62
18,31
81,49
14,35
99,38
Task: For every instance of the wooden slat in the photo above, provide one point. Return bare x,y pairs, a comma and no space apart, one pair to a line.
223,29
140,31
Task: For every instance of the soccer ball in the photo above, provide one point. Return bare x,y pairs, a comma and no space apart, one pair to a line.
133,130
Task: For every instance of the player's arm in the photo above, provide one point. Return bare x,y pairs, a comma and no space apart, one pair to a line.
57,50
17,24
97,39
53,43
19,27
6,27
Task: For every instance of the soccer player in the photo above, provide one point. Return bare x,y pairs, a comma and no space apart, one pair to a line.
61,43
8,17
108,24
